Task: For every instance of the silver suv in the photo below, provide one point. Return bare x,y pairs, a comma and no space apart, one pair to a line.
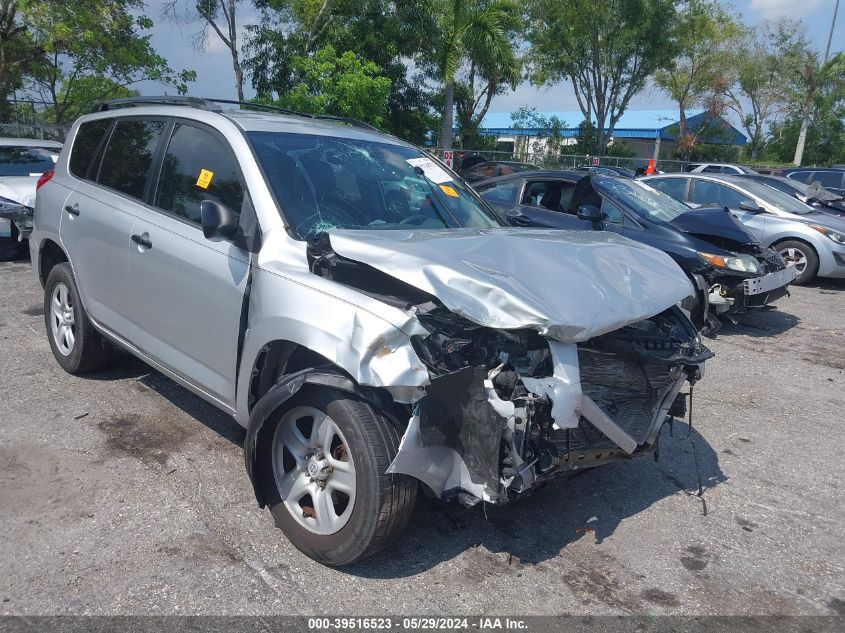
255,258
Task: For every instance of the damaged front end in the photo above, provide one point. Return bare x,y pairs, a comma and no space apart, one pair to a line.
510,403
506,410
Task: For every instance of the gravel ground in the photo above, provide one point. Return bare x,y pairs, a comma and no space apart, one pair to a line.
122,493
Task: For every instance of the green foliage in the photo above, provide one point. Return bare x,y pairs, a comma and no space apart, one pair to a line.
341,85
379,31
701,73
92,50
547,130
762,87
480,33
20,56
607,50
825,144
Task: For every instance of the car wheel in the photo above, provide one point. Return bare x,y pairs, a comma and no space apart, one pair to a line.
803,257
77,346
324,476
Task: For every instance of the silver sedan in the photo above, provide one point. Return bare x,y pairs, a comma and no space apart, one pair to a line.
811,241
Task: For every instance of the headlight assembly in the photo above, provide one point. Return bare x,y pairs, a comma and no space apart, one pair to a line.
836,236
740,263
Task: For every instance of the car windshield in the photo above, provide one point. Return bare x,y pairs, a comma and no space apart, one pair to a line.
776,198
640,198
26,161
323,183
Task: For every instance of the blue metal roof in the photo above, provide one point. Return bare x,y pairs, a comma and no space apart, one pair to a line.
632,124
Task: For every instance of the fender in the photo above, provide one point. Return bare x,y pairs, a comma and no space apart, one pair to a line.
286,388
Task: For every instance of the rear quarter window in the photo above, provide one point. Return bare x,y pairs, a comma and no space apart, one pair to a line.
88,139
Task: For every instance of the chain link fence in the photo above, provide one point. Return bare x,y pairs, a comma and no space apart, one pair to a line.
554,160
18,129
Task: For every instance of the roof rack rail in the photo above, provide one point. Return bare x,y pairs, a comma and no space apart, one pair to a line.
347,120
194,102
206,103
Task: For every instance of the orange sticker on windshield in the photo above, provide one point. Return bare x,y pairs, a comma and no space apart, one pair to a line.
204,179
449,191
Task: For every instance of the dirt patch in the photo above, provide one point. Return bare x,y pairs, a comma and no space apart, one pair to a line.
36,310
142,437
663,598
697,560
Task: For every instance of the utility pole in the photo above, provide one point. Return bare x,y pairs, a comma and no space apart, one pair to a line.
832,24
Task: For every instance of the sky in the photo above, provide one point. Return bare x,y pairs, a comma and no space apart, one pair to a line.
215,77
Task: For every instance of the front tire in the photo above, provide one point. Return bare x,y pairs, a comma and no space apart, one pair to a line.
323,463
803,257
76,345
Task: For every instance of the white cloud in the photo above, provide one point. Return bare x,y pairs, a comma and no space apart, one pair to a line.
774,9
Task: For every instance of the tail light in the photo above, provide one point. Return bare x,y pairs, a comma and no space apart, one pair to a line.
44,178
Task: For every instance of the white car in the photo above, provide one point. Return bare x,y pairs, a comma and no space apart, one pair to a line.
718,168
22,163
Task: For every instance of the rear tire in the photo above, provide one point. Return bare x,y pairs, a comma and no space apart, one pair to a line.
362,437
76,345
803,257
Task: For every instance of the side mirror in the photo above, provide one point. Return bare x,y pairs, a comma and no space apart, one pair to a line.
219,223
589,212
747,205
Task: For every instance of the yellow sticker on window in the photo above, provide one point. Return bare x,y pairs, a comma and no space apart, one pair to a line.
204,179
449,191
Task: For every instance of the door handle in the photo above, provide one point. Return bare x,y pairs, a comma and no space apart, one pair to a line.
142,241
71,210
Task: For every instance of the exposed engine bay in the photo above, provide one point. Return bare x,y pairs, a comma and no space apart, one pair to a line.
508,408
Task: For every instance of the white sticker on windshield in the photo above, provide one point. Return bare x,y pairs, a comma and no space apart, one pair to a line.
434,172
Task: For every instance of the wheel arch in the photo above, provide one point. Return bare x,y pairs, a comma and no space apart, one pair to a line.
49,255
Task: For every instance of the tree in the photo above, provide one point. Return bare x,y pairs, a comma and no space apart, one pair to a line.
91,44
813,83
607,50
19,55
761,89
221,16
546,130
476,31
385,32
341,85
701,73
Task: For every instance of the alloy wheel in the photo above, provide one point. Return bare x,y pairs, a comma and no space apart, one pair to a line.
314,470
62,322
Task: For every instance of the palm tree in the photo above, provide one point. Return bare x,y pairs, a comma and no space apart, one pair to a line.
477,30
813,79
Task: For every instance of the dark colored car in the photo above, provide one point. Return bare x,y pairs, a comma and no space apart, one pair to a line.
468,160
830,178
815,195
607,170
493,169
728,267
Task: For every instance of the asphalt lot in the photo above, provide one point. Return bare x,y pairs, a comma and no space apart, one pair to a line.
123,493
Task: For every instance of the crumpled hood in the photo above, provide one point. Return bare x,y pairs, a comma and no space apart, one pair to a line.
19,189
713,222
568,285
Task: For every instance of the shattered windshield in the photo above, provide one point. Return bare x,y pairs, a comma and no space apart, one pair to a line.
323,183
641,198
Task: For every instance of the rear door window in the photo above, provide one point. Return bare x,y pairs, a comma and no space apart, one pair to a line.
128,156
196,167
88,139
705,192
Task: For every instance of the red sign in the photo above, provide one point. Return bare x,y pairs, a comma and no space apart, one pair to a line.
448,157
596,162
